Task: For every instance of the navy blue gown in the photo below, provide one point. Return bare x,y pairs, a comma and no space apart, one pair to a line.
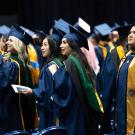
42,95
73,111
9,113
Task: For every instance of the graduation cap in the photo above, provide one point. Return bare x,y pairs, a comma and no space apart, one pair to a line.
56,35
4,29
59,29
19,33
124,30
116,25
41,33
126,23
82,26
28,31
62,26
103,29
76,35
79,33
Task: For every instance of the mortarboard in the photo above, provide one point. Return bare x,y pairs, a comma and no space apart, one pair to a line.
124,30
28,31
41,33
4,29
62,25
82,26
103,29
19,33
79,33
56,35
77,36
59,29
125,23
116,25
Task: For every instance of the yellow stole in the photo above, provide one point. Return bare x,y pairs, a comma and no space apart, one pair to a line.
19,82
130,102
35,71
120,51
104,49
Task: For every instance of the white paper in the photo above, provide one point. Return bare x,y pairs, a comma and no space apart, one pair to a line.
19,88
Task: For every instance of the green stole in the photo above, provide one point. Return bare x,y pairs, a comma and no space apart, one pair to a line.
91,94
57,61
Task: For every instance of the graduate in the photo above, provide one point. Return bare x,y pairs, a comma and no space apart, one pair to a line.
19,109
107,81
50,51
126,89
105,77
3,47
4,30
120,49
35,56
38,37
76,101
102,32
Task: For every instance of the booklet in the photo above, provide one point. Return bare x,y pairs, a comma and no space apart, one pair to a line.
19,88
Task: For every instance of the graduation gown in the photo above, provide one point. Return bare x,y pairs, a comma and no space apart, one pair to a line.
117,54
42,94
9,112
71,106
125,95
107,82
20,108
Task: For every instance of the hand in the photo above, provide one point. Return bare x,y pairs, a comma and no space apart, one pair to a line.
28,91
53,69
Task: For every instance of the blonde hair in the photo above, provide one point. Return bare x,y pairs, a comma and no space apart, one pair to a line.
21,49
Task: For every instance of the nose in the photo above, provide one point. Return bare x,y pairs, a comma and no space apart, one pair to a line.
7,42
42,47
130,35
61,45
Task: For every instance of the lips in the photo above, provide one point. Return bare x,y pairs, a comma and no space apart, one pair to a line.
130,38
62,50
43,51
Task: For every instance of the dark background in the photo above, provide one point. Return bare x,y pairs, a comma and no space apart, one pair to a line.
40,14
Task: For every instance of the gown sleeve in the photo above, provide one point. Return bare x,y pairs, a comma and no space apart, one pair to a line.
63,91
8,74
42,93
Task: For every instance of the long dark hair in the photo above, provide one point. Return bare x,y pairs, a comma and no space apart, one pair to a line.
78,53
54,48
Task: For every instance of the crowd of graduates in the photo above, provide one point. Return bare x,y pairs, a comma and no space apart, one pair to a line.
79,79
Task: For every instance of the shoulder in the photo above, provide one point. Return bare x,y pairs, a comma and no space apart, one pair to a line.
70,66
12,65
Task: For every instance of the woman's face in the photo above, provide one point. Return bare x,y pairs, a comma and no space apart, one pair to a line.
10,44
131,37
65,48
45,48
2,44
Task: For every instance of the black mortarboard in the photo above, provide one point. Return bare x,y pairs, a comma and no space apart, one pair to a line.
19,33
103,29
41,33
